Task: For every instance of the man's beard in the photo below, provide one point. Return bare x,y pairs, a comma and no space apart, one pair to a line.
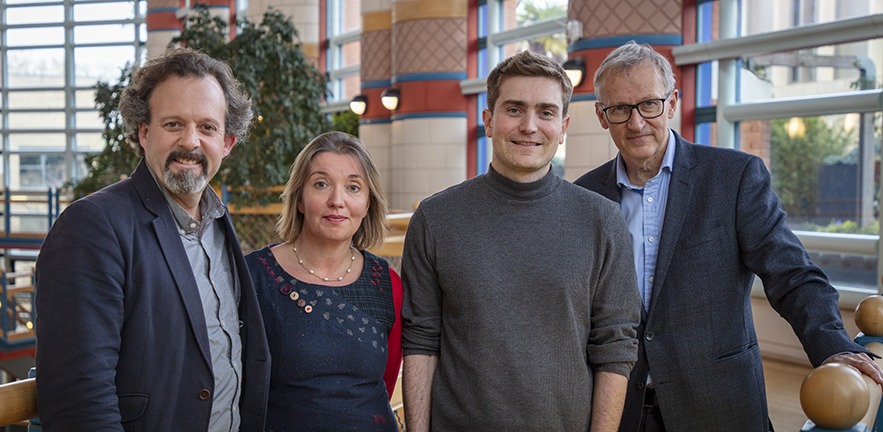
185,182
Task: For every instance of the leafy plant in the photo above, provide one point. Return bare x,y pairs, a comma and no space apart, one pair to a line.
286,91
795,161
286,88
345,121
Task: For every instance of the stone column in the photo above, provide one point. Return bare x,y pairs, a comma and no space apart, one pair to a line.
375,68
162,25
165,18
305,14
429,55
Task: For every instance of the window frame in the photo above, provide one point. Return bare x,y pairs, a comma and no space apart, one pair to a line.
724,54
70,89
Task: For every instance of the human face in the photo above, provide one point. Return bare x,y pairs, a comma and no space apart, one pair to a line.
185,142
527,126
334,199
641,142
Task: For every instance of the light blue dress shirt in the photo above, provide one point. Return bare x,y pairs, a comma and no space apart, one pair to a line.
644,211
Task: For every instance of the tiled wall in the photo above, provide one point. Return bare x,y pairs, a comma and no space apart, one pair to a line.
428,155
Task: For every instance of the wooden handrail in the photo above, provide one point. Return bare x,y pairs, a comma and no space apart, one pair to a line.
399,221
18,401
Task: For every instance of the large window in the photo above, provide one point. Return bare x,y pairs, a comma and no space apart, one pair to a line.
54,53
344,22
810,110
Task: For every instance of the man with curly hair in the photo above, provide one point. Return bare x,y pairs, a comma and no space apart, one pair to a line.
148,318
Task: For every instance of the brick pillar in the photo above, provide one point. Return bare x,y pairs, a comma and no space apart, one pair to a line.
162,25
163,22
305,14
375,68
429,57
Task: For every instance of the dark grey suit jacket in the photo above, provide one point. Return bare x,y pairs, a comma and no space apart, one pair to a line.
121,337
723,225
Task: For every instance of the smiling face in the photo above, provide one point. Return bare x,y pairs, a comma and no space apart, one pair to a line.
185,142
641,142
334,199
527,126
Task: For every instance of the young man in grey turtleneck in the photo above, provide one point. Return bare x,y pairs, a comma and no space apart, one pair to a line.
522,314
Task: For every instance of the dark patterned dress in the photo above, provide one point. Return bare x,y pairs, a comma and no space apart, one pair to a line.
329,347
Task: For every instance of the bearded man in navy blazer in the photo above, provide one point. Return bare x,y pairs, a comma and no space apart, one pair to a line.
704,221
147,316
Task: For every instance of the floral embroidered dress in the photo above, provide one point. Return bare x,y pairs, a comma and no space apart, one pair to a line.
336,351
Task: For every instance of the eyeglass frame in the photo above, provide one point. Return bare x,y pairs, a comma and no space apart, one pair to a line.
635,108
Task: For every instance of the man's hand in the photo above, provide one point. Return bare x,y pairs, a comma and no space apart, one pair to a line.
864,363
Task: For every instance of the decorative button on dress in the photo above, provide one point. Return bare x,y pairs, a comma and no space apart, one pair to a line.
329,347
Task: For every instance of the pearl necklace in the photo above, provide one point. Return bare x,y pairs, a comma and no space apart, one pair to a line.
313,272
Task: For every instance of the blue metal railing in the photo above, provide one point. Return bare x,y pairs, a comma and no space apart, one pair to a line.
17,312
27,217
20,206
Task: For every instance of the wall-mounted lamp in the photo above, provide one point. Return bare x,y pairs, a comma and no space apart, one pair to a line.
359,104
575,69
390,98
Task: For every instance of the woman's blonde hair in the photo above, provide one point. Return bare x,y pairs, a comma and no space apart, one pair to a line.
291,221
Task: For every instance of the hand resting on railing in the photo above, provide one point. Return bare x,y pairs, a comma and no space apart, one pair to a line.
836,395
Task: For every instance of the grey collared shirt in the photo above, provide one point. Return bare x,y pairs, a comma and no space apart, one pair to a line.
214,270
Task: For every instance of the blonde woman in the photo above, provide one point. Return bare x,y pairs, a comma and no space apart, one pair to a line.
331,309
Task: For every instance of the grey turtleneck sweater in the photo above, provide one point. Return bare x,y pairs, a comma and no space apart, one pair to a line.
523,291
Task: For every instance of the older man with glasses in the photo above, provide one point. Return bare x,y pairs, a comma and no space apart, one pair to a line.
703,221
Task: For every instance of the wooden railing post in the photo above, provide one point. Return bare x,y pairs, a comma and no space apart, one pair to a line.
838,397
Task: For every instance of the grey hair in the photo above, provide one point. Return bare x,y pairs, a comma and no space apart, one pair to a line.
629,56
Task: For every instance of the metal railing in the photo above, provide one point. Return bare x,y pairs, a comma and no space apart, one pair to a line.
17,313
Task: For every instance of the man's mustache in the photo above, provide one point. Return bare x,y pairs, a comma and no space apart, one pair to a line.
190,156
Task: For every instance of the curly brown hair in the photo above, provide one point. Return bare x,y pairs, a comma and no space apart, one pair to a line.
183,62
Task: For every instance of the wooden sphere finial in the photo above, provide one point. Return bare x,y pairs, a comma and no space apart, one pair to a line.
834,396
869,315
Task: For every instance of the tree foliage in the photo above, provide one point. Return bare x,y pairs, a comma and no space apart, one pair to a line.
286,91
345,121
795,161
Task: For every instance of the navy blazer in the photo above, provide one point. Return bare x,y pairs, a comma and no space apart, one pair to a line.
121,336
723,225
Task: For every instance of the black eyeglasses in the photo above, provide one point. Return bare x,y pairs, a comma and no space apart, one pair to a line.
649,109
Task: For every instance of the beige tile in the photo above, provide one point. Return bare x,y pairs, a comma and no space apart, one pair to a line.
582,115
415,181
447,130
375,5
442,179
455,156
397,132
415,130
